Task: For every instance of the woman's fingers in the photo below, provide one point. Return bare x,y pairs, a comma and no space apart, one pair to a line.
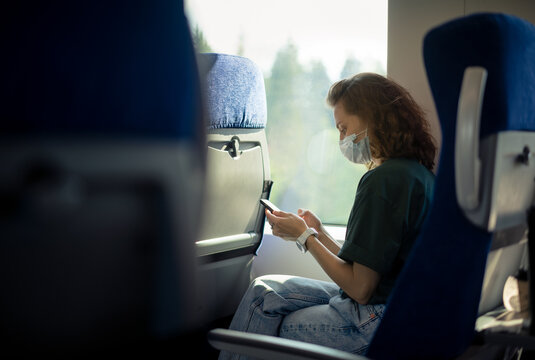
310,218
303,212
268,217
284,224
274,218
280,213
273,214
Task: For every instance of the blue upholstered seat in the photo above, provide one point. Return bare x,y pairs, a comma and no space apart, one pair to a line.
114,68
102,151
431,312
235,94
502,44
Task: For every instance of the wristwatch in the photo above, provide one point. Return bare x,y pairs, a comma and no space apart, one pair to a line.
302,239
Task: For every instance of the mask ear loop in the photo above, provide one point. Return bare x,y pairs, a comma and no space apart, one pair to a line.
363,131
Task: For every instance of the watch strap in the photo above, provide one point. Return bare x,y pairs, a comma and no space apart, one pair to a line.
302,239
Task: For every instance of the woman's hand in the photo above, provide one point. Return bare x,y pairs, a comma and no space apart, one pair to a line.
286,225
310,219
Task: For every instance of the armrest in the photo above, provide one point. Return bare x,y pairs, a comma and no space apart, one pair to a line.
467,162
270,347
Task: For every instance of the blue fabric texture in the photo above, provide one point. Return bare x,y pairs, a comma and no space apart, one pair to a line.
117,68
505,46
432,310
306,310
235,93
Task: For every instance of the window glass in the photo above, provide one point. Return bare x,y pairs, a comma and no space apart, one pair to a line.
302,47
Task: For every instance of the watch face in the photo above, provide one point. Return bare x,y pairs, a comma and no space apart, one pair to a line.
300,247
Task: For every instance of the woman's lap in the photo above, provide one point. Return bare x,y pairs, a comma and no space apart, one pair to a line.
307,310
342,324
270,298
298,292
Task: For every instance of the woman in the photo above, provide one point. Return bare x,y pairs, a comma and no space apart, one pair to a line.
381,126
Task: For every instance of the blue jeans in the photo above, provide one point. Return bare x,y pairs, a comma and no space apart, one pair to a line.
307,310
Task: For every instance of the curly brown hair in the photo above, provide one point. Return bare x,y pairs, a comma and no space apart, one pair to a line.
397,126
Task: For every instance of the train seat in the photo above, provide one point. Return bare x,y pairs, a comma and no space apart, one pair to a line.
478,68
102,152
238,175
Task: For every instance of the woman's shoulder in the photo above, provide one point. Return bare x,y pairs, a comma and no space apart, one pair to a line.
400,167
398,171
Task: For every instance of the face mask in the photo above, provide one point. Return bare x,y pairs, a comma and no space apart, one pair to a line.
358,153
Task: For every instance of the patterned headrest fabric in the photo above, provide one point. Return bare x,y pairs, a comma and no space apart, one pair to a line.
106,68
235,96
505,46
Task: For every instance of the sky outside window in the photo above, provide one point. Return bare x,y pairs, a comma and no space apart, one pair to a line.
330,30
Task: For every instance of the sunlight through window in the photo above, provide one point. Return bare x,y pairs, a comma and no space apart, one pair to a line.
302,46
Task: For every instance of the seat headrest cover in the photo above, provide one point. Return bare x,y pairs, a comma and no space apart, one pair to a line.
235,96
502,44
121,68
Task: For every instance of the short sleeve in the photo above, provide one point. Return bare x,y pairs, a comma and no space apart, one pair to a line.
374,231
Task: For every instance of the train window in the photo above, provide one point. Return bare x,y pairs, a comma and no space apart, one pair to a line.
302,46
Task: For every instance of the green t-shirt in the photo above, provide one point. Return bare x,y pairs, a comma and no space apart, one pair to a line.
390,207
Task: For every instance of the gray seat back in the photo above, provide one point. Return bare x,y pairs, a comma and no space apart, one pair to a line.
238,175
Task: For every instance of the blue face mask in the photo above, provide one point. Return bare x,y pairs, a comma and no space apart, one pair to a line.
359,152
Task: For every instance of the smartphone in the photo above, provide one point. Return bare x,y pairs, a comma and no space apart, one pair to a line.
269,205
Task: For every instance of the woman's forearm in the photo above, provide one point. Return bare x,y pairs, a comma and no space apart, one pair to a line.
328,241
358,281
337,269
